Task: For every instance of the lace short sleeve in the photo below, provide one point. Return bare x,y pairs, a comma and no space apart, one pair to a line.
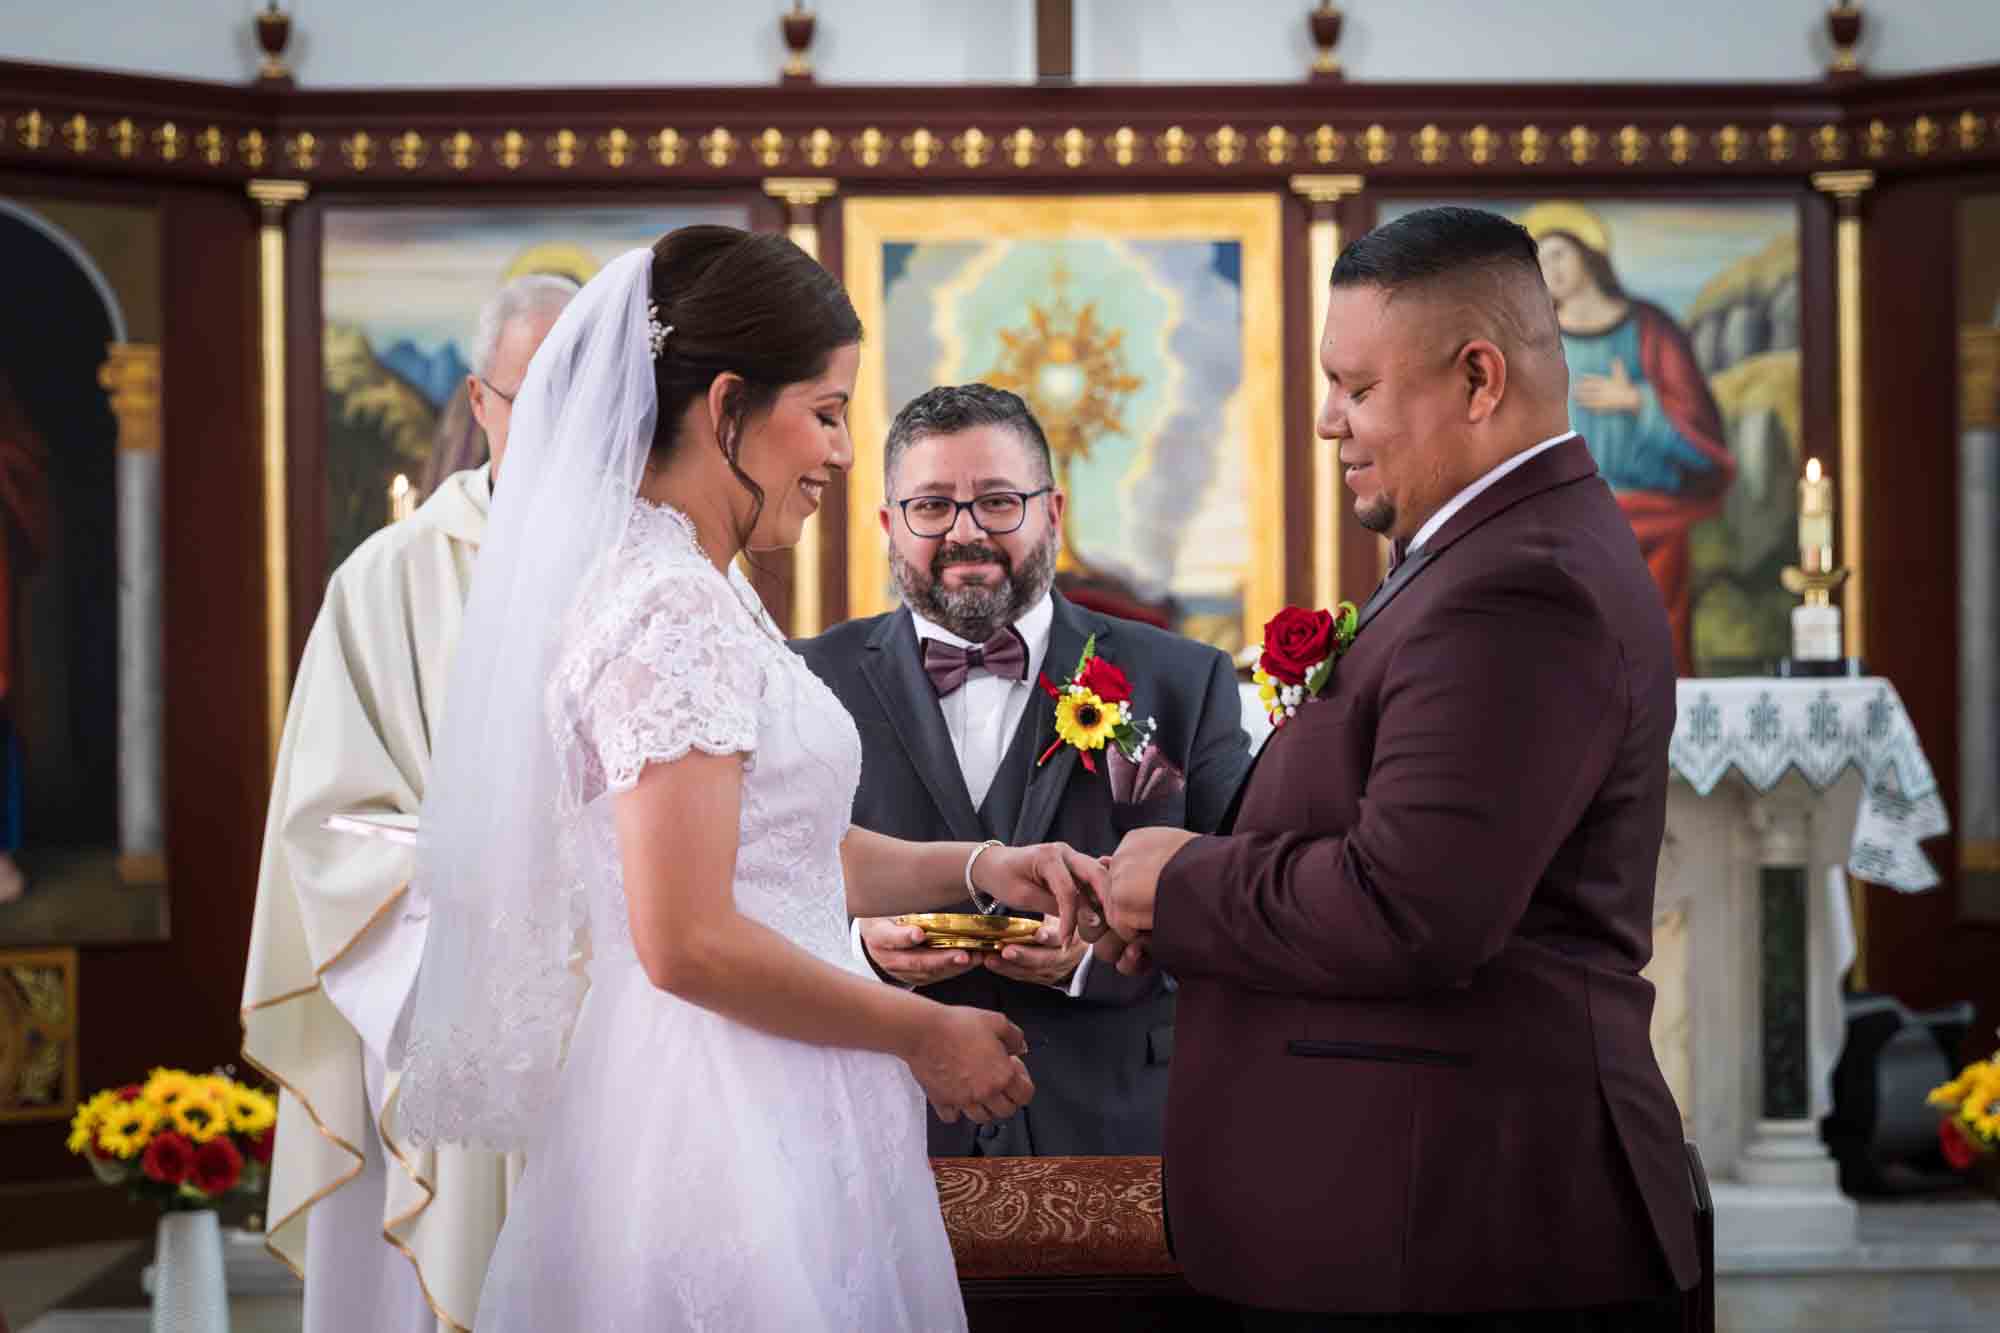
669,664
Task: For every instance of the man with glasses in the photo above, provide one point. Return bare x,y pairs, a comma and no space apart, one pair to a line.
389,1236
954,728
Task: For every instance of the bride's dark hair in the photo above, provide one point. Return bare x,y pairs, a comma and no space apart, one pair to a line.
751,303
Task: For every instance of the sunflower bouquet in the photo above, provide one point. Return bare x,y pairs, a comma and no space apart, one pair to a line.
1094,710
1969,1124
180,1140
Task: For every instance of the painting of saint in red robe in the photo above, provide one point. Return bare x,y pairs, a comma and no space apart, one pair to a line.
23,530
1640,400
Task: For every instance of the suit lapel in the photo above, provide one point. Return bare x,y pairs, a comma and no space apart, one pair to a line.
896,674
1399,579
1069,630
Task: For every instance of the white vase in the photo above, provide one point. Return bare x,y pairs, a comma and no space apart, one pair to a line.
189,1295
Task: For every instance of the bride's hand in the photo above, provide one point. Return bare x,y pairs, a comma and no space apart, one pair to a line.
1051,878
969,1063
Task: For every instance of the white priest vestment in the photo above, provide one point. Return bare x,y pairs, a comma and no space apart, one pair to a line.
388,1237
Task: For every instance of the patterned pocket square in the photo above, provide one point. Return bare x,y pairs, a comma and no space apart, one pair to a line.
1152,778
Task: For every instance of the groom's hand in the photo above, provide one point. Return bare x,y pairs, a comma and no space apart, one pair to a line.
901,953
1135,877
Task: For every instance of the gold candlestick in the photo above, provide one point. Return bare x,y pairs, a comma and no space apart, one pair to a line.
402,499
1816,623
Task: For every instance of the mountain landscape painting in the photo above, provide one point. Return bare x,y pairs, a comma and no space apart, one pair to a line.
401,289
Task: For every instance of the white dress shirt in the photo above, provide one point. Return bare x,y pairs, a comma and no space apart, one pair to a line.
1472,492
982,716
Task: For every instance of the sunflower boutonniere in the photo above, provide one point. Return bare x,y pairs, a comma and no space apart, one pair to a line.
1300,648
1094,709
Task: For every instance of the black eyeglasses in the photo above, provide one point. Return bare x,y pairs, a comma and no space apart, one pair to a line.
507,398
996,513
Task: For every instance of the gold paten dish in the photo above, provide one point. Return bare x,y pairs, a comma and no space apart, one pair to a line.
969,930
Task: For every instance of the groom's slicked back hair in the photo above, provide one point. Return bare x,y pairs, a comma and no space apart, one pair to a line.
951,408
1485,263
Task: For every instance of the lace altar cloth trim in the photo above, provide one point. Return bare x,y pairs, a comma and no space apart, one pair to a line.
1053,1216
1762,729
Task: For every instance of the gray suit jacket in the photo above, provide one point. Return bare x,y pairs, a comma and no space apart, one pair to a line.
1100,1060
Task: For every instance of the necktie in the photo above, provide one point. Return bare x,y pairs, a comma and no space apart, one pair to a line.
1005,654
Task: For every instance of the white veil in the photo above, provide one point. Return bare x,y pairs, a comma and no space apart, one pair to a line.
496,994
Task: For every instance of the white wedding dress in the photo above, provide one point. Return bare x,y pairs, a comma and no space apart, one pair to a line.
696,1173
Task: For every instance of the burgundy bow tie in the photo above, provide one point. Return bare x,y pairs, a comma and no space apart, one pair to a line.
1005,654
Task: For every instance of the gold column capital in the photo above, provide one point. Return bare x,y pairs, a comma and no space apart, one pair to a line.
131,374
1844,184
275,196
801,191
1979,376
1321,189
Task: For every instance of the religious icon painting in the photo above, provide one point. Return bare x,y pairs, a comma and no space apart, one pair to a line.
82,690
1144,333
1681,324
38,1061
400,291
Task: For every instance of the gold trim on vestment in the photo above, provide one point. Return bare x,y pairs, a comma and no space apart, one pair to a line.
430,1196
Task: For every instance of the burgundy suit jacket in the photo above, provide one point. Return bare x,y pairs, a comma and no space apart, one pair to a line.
1412,1069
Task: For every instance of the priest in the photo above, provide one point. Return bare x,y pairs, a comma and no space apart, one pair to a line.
386,1236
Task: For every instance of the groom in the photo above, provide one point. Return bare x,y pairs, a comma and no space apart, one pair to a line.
1414,1087
954,728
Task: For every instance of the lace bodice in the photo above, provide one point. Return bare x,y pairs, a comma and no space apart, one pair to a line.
663,654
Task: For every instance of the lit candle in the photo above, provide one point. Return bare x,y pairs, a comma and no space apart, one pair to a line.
1815,520
402,499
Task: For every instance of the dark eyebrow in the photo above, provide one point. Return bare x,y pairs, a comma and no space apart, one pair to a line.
838,394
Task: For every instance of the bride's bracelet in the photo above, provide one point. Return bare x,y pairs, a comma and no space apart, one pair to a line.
987,905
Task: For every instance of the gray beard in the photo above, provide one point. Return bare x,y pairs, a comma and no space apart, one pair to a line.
975,614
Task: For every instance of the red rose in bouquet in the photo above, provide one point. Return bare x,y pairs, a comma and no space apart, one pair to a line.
1105,681
217,1166
1296,641
169,1158
1959,1151
261,1145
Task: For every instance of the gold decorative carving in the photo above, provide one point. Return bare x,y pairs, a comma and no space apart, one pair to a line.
921,147
38,1063
1125,144
1276,145
973,147
408,150
1971,130
1378,145
359,150
614,147
124,137
771,148
821,147
1480,144
1433,145
718,147
870,145
1979,379
1879,139
1531,146
667,147
131,375
1328,144
1581,144
33,130
1226,146
1175,147
170,141
78,134
1924,136
1729,143
511,150
1829,143
1075,147
1778,144
302,150
1680,145
1326,189
461,150
1632,145
212,145
253,147
1023,147
806,192
562,148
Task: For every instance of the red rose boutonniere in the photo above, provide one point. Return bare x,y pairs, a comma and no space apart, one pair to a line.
1094,709
1300,648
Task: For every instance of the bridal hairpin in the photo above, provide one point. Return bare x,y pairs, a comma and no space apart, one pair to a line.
656,332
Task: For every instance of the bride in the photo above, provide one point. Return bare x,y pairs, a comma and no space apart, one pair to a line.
637,782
